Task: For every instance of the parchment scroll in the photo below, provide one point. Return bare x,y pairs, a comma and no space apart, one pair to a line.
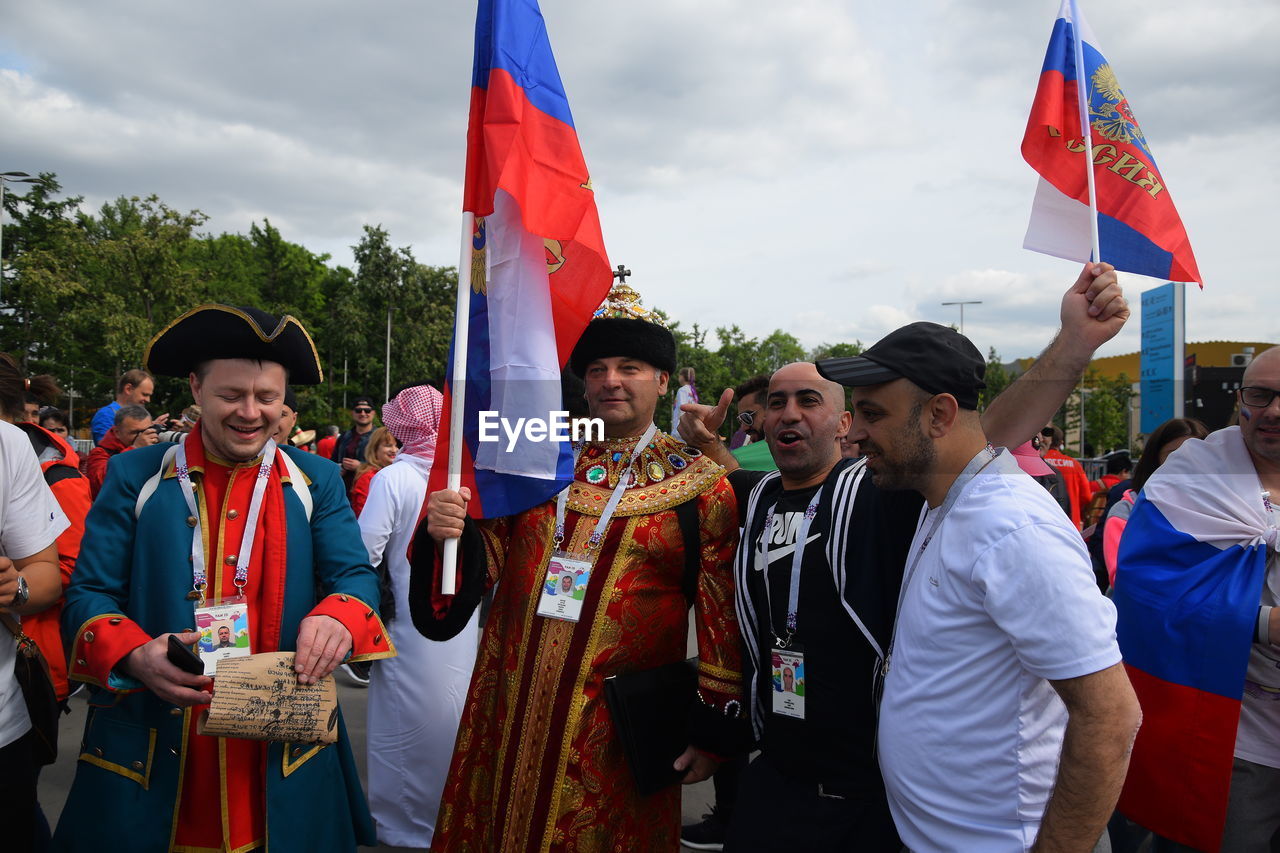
259,697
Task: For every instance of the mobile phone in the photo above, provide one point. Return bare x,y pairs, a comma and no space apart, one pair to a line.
183,658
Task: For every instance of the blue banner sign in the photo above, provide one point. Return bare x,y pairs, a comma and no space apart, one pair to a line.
1163,336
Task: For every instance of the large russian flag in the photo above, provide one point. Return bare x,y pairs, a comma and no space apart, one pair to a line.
539,267
1139,229
1188,583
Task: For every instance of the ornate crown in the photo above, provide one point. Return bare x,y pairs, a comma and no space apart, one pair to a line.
623,303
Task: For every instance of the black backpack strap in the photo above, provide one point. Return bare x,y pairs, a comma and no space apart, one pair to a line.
58,473
691,532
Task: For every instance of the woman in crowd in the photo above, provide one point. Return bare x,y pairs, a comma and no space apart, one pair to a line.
378,454
30,521
686,393
1164,439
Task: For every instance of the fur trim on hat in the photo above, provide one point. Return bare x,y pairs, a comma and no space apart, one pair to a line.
609,337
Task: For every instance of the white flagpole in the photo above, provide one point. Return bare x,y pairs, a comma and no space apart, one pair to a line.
1086,133
457,391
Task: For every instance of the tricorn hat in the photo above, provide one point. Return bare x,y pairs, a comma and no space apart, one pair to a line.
624,327
225,331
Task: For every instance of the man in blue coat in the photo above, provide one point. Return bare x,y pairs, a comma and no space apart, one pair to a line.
224,525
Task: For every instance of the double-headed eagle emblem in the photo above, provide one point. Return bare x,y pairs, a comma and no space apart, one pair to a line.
480,256
1109,110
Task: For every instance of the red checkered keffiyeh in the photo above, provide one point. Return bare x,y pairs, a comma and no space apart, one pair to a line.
413,417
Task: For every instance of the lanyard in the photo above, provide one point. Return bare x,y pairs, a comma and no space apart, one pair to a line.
199,573
984,458
624,480
797,559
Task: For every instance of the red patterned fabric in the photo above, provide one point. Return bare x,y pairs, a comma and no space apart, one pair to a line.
538,765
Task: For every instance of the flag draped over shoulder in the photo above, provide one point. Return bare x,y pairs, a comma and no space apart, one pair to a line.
539,267
1188,583
1138,227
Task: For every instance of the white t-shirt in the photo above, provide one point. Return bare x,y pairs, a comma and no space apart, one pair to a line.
30,521
1001,601
1258,735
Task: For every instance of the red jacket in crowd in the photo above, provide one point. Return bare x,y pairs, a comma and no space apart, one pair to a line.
96,467
1079,489
61,466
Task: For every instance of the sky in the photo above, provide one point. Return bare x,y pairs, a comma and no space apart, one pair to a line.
833,169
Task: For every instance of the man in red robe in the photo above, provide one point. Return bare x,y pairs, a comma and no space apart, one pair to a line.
539,765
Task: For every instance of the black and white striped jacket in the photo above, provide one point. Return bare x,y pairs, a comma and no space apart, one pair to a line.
867,534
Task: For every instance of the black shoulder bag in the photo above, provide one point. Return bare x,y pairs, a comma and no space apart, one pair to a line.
32,672
650,709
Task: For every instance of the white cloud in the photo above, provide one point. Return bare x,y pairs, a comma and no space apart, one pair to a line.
831,168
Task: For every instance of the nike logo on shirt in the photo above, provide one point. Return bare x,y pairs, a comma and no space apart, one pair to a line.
786,550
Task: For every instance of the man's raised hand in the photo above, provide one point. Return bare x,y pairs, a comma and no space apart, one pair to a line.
1094,309
699,425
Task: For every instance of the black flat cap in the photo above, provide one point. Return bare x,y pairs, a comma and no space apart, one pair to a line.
225,331
936,358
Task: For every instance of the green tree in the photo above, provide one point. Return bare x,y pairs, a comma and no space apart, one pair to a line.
997,379
42,283
736,359
139,252
1105,410
89,291
380,278
840,350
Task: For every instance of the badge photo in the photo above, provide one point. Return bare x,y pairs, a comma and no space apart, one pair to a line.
564,588
788,683
224,633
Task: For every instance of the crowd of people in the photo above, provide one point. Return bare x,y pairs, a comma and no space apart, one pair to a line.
919,625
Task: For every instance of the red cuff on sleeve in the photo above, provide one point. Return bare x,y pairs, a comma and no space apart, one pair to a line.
440,603
369,637
100,644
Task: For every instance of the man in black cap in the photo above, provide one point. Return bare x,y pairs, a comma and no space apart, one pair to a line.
225,524
288,418
539,763
1006,718
821,524
349,450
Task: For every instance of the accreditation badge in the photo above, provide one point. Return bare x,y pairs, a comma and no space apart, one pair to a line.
788,683
224,631
564,587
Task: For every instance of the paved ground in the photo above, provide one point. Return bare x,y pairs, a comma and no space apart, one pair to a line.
56,779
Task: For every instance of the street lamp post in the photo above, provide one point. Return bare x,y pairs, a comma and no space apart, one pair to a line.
386,379
962,304
11,178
